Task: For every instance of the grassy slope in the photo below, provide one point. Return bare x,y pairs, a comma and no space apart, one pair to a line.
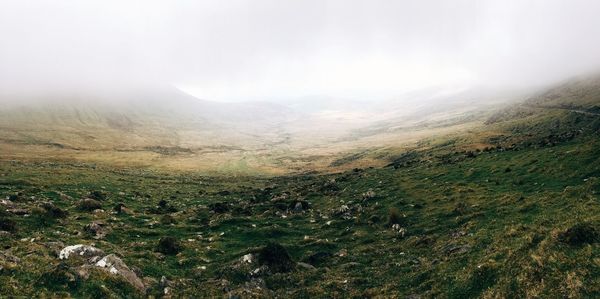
481,224
483,214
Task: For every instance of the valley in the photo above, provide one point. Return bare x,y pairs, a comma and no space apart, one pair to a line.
497,201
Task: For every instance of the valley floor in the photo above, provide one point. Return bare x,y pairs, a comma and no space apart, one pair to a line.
507,221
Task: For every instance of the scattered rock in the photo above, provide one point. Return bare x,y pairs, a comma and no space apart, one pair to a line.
398,229
299,206
306,266
346,211
114,265
280,197
7,203
248,258
64,196
165,285
330,187
369,195
79,250
343,209
19,211
96,229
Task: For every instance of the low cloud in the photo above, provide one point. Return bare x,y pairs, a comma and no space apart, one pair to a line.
239,50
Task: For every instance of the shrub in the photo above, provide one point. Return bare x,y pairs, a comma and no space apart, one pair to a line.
97,195
168,246
460,208
89,204
374,219
276,258
219,207
163,203
118,208
53,211
579,234
167,219
202,216
7,224
395,217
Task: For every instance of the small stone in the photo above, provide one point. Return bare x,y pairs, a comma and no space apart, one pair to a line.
248,258
306,266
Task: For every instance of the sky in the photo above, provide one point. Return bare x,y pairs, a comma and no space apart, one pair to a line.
238,50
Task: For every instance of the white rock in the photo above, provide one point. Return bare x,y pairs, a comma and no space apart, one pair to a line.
79,249
248,258
344,209
400,230
114,265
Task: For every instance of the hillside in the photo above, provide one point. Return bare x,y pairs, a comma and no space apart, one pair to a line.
166,129
128,119
507,208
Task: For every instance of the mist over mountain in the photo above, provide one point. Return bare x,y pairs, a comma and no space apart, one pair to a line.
300,149
244,50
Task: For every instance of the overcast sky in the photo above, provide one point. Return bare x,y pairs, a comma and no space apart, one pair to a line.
236,50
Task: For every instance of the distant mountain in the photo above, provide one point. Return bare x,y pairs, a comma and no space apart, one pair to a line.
165,126
131,118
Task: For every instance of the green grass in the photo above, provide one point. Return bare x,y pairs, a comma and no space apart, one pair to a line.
479,224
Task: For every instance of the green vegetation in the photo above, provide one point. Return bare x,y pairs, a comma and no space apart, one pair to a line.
510,209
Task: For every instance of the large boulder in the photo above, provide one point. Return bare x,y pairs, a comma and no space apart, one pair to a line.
114,265
85,251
